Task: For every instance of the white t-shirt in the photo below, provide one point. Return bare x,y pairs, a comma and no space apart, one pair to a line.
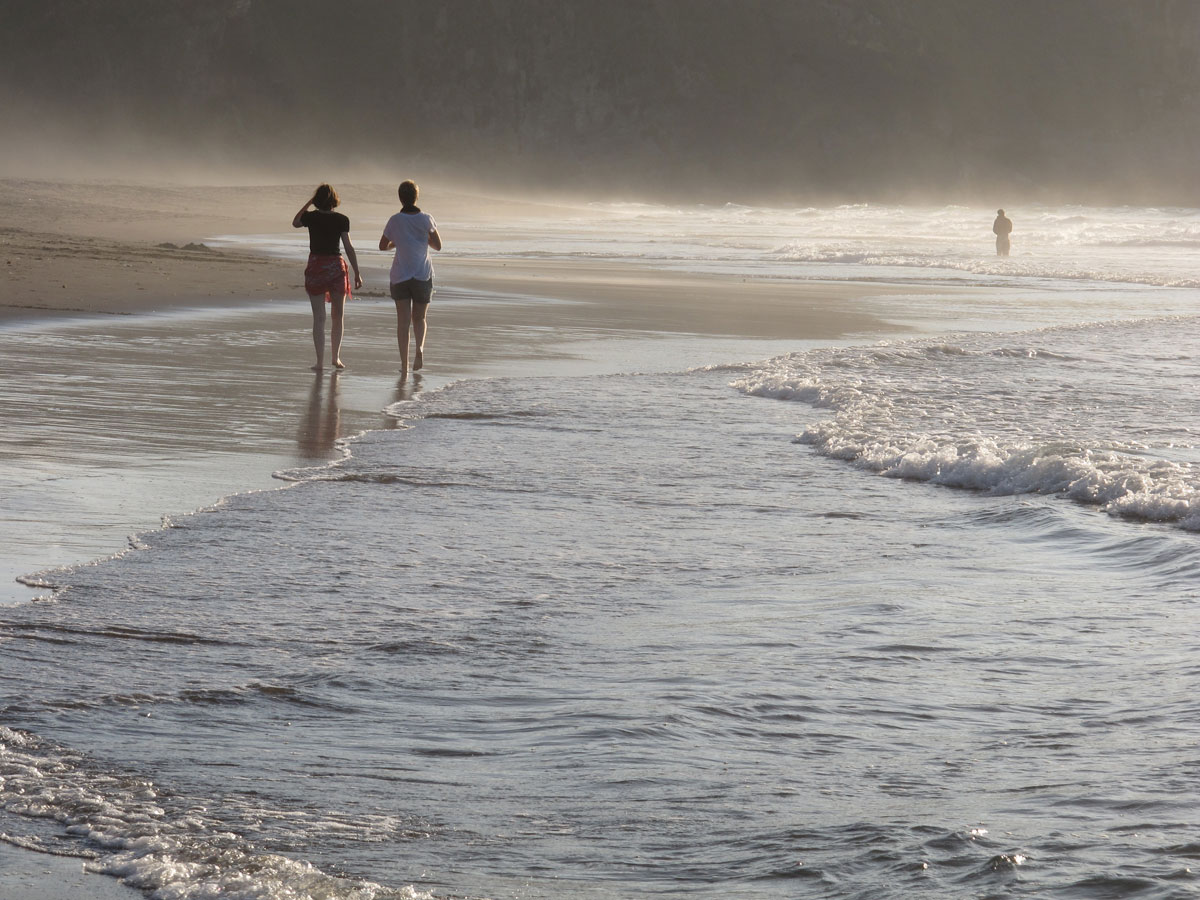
410,233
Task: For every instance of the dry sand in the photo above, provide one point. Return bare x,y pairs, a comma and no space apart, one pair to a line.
120,249
146,380
111,248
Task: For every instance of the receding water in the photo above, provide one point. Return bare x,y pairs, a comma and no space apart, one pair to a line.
620,636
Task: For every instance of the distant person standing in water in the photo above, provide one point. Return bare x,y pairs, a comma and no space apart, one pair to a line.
326,279
1002,228
411,232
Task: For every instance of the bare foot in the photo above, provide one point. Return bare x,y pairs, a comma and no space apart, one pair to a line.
418,362
339,365
318,368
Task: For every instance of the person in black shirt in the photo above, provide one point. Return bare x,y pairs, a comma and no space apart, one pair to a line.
326,278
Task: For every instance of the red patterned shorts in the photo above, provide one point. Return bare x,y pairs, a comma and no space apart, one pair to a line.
328,275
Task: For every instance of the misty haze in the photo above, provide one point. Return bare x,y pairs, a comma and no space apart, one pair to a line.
710,99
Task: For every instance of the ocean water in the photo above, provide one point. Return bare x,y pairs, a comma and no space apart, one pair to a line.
1081,249
888,619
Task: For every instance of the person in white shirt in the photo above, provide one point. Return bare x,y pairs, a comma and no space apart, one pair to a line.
411,232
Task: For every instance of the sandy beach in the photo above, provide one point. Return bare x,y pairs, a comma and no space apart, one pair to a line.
160,374
110,416
167,362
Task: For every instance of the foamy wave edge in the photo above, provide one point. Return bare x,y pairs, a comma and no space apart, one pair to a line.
1121,484
131,837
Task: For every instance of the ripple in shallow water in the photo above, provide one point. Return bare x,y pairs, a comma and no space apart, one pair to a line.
655,647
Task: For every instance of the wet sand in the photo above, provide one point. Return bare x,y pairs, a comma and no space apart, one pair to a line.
154,380
25,875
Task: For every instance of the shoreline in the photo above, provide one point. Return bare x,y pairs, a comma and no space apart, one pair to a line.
160,379
108,437
491,317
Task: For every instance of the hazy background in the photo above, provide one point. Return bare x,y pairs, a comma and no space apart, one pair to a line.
755,100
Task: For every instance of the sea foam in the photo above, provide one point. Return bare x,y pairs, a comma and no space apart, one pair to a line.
1077,411
130,834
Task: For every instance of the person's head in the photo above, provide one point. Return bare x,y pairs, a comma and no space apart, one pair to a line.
408,193
999,212
325,197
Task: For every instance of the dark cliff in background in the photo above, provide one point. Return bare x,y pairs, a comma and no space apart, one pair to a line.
716,99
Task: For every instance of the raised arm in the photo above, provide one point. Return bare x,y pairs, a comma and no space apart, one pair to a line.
435,240
353,257
296,223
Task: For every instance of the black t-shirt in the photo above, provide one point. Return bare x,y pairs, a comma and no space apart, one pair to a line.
325,229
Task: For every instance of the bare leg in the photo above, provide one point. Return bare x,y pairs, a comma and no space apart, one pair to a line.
419,331
403,314
337,306
318,329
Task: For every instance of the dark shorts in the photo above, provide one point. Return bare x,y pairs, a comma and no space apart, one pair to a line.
414,290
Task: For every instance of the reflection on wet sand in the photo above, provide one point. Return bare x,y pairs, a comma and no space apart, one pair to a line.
320,426
406,388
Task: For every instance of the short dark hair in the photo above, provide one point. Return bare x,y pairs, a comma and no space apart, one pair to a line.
408,191
325,197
